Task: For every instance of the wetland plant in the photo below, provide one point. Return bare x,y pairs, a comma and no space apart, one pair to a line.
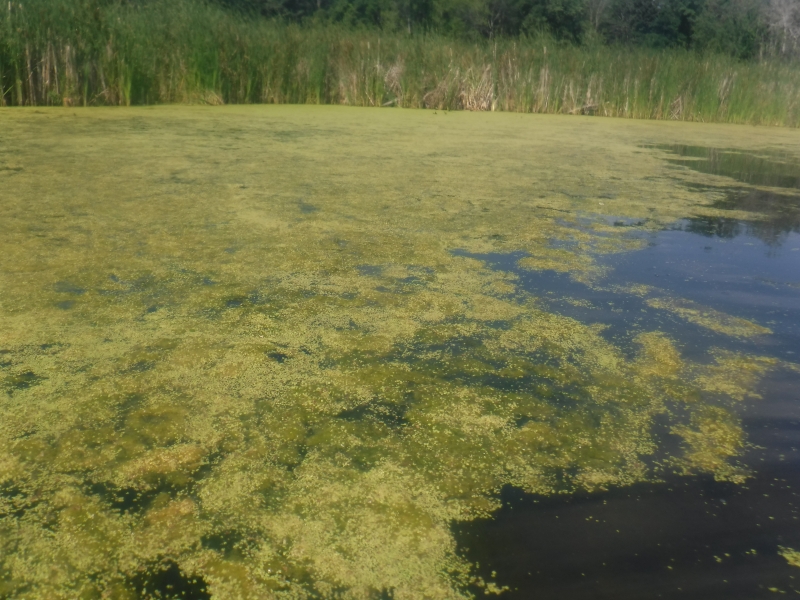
78,53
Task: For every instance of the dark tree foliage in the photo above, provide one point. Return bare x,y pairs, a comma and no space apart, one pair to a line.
736,27
372,13
564,19
656,23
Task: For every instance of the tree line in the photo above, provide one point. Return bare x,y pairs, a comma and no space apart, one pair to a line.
741,28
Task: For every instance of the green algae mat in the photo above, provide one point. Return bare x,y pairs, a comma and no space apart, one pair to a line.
265,350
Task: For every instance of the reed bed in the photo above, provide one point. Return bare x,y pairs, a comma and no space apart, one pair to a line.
80,53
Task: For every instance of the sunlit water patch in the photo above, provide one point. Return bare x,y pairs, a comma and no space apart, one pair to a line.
300,365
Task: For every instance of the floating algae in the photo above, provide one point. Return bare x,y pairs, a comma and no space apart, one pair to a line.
708,317
792,556
255,359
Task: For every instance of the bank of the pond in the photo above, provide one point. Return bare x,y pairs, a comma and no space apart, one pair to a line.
195,53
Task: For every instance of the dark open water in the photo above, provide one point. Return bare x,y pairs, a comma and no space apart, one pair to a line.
687,537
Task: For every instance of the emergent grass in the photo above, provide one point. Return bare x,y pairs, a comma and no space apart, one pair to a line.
54,52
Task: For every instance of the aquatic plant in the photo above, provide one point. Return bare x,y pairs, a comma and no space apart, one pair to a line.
792,556
238,343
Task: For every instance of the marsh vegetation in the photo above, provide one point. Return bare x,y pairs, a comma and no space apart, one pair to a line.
188,51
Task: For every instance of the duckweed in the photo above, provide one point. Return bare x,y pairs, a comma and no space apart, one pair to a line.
234,393
792,556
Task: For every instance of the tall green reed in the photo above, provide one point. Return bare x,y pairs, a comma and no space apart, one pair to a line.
89,52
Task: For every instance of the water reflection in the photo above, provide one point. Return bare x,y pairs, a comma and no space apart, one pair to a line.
775,215
684,537
687,537
766,168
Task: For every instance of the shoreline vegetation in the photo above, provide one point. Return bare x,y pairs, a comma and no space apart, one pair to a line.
194,52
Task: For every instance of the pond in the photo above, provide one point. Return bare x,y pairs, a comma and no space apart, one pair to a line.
327,352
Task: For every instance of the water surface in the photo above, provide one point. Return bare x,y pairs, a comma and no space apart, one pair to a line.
343,353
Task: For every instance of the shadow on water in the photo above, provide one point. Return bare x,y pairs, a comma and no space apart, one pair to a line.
767,168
